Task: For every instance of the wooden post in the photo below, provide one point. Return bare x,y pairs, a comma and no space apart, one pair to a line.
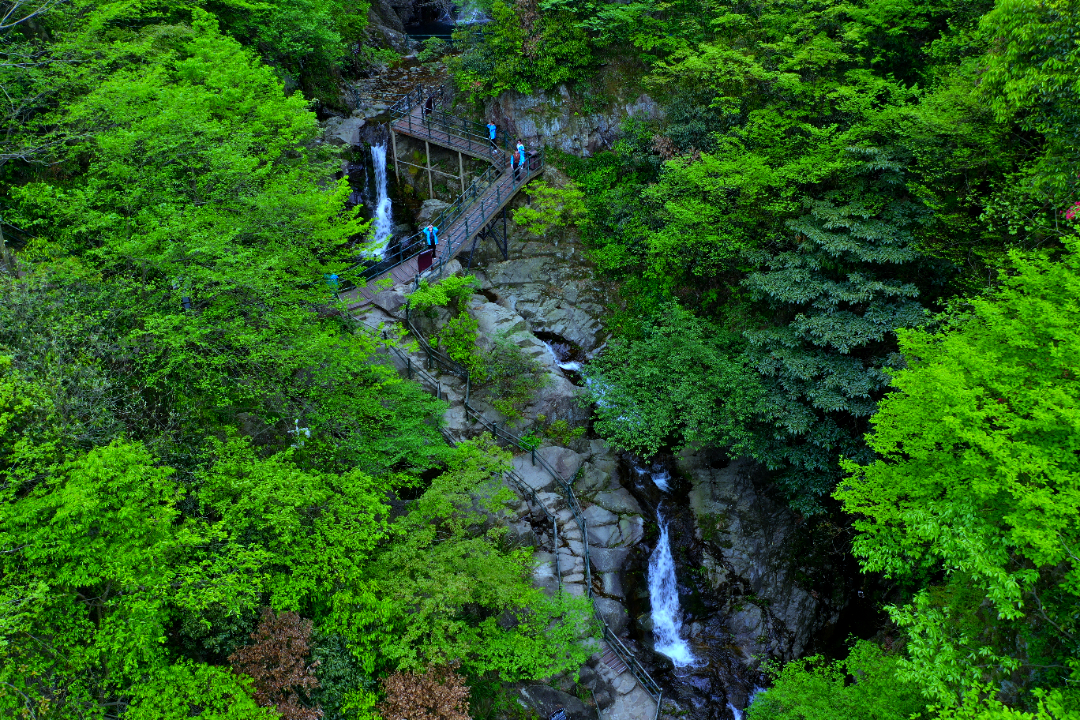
461,171
427,152
393,139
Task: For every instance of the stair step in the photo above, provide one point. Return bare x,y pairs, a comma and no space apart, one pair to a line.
613,661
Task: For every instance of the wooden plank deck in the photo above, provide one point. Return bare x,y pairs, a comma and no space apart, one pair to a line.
460,233
414,126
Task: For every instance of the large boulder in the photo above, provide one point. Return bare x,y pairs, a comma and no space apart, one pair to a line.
613,613
429,210
343,131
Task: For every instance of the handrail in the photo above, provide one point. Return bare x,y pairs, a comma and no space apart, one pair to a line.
415,244
612,639
516,479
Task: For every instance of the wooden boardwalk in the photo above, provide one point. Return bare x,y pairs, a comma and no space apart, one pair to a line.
480,210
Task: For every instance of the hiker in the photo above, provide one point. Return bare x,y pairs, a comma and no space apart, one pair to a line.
491,137
514,164
431,235
521,151
429,106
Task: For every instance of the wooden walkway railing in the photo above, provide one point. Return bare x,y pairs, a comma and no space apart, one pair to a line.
469,214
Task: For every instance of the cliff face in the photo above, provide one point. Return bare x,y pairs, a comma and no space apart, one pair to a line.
580,123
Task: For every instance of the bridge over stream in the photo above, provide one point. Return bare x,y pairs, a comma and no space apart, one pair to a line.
473,214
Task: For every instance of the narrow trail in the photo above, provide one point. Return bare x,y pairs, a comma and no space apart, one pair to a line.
568,542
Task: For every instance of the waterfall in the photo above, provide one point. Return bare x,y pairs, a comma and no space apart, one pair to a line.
664,597
472,14
661,478
383,223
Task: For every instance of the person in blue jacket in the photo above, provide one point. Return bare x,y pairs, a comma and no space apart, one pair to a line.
521,154
491,136
431,233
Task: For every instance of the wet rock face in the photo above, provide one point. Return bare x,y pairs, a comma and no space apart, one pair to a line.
558,119
751,553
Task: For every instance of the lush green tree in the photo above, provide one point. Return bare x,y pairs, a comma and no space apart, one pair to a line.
862,686
978,478
678,382
524,48
550,208
448,588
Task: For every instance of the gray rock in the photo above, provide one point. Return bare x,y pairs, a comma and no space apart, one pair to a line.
546,700
547,117
636,704
619,501
391,301
544,572
534,476
608,559
563,460
429,210
343,131
597,515
613,612
632,529
749,631
612,583
750,537
603,536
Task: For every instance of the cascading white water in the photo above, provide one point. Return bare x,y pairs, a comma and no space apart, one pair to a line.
383,225
472,14
664,597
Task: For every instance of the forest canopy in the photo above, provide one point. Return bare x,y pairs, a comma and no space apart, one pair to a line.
845,246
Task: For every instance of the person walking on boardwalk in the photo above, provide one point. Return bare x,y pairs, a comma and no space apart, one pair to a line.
521,153
491,136
429,106
431,235
514,163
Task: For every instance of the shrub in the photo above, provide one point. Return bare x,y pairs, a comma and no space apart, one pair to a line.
276,663
437,694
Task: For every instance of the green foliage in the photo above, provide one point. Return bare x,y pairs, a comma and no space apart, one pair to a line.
174,691
453,292
522,49
863,686
512,377
675,384
458,338
191,426
434,48
979,477
550,208
445,589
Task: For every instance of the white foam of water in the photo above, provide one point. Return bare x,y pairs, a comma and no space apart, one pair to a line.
735,711
472,14
383,225
662,479
664,597
571,366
